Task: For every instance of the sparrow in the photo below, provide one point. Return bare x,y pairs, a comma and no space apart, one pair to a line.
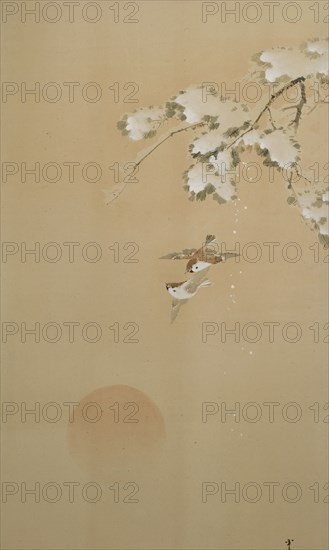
184,291
202,258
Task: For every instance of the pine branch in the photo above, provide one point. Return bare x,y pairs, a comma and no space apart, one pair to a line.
290,186
267,107
171,134
150,151
271,118
300,80
300,106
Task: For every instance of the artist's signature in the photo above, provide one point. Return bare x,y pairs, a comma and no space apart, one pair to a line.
289,543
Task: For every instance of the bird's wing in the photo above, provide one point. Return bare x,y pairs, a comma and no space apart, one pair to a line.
185,254
196,280
226,256
207,249
210,250
175,307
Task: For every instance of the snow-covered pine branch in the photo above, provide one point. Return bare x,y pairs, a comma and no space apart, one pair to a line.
225,129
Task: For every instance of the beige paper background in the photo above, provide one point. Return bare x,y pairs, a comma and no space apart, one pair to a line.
166,51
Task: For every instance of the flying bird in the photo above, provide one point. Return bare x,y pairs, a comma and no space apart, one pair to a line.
184,291
200,259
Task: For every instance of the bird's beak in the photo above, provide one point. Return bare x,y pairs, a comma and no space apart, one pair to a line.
167,286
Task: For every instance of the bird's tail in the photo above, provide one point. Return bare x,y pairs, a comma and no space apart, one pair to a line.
210,238
205,283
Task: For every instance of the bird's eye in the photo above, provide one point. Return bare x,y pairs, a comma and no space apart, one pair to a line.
174,290
196,267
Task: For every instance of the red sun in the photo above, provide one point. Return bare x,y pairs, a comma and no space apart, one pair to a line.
115,425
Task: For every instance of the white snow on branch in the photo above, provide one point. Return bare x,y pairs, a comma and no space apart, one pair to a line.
208,142
198,103
318,46
315,208
144,122
281,148
312,58
212,176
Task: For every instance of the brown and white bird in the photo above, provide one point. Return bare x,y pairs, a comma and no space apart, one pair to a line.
201,259
184,291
